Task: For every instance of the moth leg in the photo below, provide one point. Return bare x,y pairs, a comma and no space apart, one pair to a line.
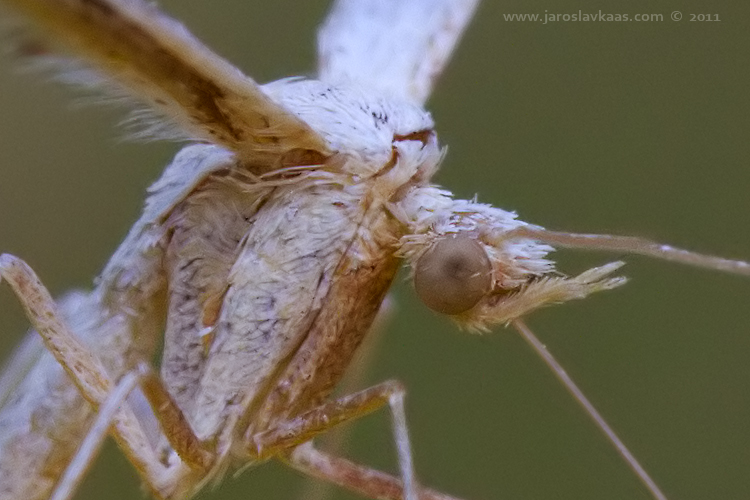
97,433
291,433
174,425
84,369
359,368
360,479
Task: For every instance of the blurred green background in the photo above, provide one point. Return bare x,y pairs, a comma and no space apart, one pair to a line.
634,128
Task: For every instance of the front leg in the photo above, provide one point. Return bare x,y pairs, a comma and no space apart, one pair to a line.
80,364
369,482
361,479
84,369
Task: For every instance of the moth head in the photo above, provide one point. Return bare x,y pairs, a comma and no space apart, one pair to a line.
467,262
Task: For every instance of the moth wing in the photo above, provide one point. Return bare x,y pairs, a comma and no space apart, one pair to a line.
399,47
139,53
134,265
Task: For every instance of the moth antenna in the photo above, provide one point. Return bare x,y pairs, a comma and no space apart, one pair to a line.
578,395
631,245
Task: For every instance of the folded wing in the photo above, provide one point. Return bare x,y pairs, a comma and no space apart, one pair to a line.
397,46
157,61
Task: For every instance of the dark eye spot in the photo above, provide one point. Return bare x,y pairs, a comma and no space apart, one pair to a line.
453,275
422,136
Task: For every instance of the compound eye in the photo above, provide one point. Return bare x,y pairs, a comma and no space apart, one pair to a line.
453,275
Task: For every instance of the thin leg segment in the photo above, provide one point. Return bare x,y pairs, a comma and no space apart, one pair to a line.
86,454
363,480
83,367
174,425
303,428
355,377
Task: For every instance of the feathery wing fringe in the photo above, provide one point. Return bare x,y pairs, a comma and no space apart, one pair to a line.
156,60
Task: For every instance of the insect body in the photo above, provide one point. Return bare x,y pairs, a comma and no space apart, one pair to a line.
224,234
